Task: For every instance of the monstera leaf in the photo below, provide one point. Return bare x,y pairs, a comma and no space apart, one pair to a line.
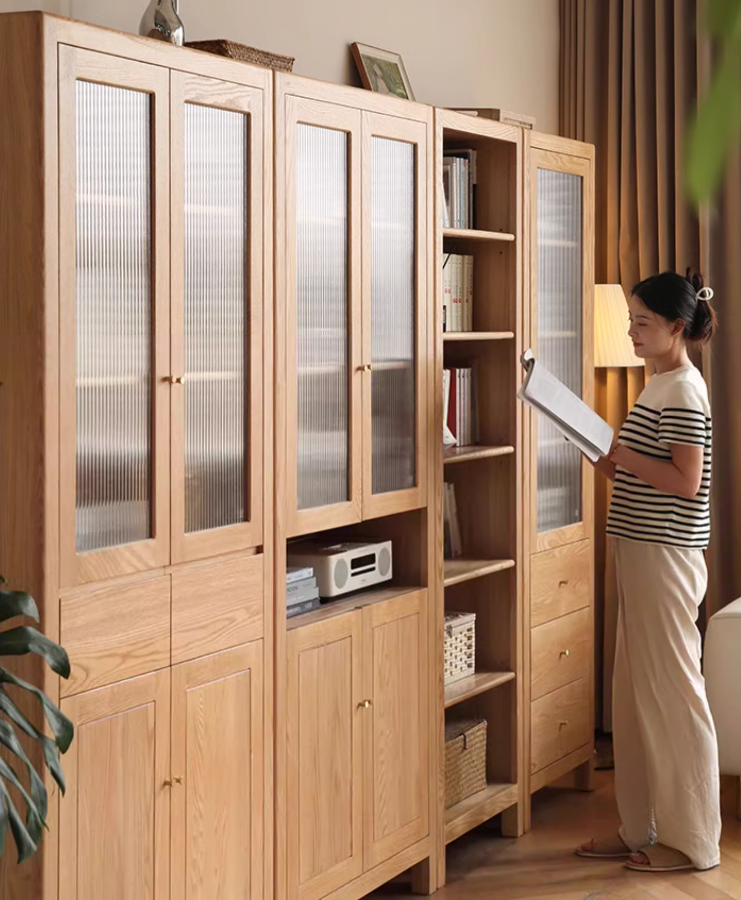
19,641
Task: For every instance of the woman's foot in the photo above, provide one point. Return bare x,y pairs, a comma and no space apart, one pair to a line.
609,848
659,858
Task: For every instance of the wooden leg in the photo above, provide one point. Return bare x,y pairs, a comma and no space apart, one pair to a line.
583,776
513,821
423,878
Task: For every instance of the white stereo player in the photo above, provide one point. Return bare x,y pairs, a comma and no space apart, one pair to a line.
342,568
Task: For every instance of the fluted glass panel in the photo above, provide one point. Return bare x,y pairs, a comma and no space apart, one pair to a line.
216,287
322,315
559,318
393,325
114,316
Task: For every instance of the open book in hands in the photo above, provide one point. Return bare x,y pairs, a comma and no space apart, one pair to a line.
572,417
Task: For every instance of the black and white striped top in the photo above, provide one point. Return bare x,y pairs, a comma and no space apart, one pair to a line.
672,409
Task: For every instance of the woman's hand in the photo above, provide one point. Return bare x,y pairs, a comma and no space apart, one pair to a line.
606,466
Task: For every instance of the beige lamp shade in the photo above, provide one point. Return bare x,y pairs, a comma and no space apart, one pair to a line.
612,346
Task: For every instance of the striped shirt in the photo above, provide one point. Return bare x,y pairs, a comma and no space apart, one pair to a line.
672,409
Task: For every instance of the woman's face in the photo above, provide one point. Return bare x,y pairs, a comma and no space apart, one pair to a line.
653,336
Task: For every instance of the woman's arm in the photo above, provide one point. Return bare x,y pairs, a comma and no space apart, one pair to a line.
606,466
682,476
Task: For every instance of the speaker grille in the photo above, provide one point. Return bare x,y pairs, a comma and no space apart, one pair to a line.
340,574
384,562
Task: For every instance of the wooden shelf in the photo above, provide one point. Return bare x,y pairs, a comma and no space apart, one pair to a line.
473,234
353,601
476,684
453,455
459,570
478,335
477,809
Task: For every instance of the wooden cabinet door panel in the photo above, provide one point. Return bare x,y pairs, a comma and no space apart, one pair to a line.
324,827
395,726
217,772
115,817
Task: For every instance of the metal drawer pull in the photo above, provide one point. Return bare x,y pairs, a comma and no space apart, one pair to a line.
366,704
176,779
176,379
563,723
565,653
365,368
563,583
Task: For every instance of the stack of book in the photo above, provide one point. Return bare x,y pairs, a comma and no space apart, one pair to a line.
302,593
457,292
459,405
452,545
459,189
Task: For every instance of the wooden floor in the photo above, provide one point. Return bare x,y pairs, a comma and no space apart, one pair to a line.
541,864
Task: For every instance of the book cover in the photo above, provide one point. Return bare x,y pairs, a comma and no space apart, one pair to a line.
298,573
306,606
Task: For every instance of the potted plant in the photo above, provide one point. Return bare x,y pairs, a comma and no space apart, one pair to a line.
18,641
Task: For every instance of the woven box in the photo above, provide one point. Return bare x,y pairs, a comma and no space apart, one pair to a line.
460,646
465,759
234,50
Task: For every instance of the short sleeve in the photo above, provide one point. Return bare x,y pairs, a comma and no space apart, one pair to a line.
684,416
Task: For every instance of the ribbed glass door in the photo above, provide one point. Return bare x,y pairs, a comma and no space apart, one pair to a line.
217,316
114,316
559,317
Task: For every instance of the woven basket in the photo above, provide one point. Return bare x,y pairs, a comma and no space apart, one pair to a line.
465,759
460,646
234,50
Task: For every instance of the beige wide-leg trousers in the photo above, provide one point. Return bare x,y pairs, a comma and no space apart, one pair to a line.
666,752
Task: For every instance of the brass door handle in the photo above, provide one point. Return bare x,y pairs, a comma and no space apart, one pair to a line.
368,367
563,583
365,704
565,653
563,723
176,379
176,779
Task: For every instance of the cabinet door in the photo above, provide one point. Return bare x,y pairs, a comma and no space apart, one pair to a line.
114,315
217,316
217,771
396,732
324,783
319,312
562,276
396,310
115,817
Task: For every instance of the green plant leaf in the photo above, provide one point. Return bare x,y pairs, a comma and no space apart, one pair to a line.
24,639
16,603
23,841
61,727
712,133
51,754
38,790
723,18
34,823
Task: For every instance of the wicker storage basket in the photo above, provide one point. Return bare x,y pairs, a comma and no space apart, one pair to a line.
465,759
246,54
460,646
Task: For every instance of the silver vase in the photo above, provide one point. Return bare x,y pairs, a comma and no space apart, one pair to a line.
161,21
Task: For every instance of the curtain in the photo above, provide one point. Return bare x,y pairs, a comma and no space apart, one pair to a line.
631,73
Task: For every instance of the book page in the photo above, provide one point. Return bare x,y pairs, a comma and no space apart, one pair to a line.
573,418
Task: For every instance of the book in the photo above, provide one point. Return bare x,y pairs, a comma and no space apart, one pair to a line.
300,591
570,414
306,606
451,527
448,436
298,573
467,292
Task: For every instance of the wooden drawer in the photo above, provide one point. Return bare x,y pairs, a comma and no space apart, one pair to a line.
216,605
561,723
116,632
560,582
560,652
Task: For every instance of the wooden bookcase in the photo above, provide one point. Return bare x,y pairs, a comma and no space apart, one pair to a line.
487,578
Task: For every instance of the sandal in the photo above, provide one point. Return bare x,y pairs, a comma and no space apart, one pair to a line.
659,858
614,848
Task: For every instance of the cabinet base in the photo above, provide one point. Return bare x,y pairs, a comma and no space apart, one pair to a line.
373,879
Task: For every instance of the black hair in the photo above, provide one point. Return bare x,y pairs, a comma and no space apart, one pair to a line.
673,297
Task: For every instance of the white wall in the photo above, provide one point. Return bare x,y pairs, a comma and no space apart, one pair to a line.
468,52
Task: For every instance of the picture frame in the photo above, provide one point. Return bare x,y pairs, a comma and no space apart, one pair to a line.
382,71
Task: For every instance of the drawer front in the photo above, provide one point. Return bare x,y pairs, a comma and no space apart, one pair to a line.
115,633
216,605
560,652
561,582
561,723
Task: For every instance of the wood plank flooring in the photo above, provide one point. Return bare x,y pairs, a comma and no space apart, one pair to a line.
541,864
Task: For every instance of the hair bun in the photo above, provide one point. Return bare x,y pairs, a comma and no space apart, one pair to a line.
695,279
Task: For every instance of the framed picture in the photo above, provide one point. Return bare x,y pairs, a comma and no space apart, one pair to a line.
382,71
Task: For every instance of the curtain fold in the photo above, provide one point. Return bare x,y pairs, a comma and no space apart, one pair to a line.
631,73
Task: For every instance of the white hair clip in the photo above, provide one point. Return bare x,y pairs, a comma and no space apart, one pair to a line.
705,293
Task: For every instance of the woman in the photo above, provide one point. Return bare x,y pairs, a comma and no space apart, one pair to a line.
666,756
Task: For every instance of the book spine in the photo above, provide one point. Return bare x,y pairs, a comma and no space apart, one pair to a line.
299,574
309,593
306,606
447,295
452,413
468,295
458,326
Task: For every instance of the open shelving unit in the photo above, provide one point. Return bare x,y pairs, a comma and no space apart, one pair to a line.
487,578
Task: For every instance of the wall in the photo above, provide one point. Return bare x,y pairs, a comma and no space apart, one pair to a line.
487,53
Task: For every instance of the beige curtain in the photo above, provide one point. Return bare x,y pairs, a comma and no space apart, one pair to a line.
631,71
